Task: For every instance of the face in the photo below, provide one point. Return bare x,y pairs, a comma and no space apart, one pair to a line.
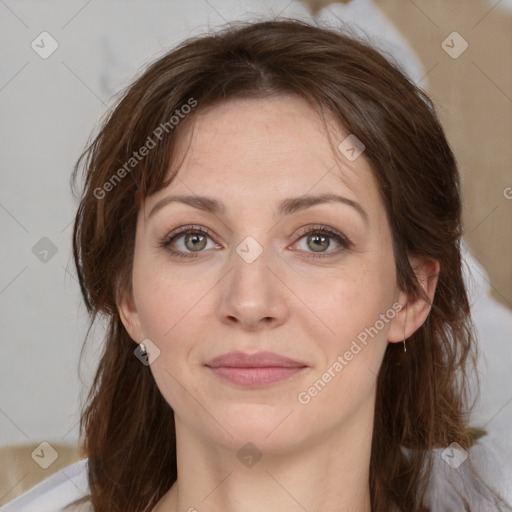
272,270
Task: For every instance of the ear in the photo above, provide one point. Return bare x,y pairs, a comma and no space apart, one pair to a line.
129,316
415,309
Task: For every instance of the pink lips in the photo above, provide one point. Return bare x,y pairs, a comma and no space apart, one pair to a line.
254,370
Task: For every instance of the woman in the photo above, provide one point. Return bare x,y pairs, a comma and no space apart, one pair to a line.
270,223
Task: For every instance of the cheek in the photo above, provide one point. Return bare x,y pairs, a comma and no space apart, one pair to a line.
345,378
354,300
357,309
166,301
168,307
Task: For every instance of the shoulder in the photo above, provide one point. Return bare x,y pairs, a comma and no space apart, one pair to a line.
460,477
55,492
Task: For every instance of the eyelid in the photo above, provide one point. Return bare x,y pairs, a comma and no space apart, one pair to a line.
188,227
317,227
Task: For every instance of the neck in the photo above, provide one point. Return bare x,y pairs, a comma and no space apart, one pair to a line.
329,475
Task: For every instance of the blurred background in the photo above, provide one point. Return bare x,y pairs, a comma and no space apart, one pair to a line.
61,64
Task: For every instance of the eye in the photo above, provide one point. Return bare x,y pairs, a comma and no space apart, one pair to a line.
190,241
317,239
187,240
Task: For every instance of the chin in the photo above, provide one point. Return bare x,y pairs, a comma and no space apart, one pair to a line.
270,428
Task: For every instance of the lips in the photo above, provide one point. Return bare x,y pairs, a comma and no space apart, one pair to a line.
258,360
254,370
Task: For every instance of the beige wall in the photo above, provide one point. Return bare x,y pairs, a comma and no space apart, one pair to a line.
473,94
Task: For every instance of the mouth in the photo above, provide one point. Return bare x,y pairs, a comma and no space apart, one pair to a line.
254,370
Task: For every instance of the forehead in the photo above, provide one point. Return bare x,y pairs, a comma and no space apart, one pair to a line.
261,148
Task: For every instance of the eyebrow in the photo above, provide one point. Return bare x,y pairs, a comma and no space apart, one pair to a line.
286,207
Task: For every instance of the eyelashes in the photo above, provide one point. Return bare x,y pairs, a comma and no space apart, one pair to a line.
199,233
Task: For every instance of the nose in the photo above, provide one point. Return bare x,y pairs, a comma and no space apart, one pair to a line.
253,296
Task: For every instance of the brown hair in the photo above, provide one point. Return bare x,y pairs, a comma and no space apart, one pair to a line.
422,395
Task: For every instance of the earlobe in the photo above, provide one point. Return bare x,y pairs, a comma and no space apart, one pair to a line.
129,316
415,309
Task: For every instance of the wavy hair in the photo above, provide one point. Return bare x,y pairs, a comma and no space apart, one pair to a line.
423,395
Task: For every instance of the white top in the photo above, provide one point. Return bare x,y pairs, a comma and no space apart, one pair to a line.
449,480
55,492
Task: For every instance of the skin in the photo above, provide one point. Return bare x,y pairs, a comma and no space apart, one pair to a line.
315,456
